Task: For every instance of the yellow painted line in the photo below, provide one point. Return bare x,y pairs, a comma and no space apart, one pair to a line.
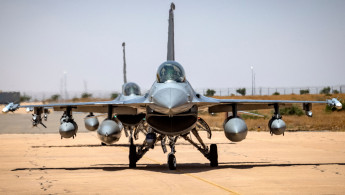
191,175
209,182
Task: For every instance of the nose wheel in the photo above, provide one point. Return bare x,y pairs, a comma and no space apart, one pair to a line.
172,161
171,156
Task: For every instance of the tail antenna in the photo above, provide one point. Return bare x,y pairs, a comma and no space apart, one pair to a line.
171,47
124,63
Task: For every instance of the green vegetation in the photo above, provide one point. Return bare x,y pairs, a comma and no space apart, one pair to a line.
55,97
86,95
335,91
114,95
276,93
304,91
326,91
294,110
210,92
25,98
241,91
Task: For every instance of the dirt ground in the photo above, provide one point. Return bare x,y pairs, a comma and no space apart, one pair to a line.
37,161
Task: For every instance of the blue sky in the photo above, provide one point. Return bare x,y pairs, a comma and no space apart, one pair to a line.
289,43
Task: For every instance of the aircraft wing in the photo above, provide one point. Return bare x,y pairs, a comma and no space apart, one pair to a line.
133,106
225,105
119,107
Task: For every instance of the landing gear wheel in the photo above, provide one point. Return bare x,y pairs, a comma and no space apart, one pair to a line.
172,161
132,156
213,155
103,144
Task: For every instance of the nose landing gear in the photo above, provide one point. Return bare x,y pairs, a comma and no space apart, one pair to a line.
171,156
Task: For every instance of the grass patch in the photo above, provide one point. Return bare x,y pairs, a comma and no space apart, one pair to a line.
294,110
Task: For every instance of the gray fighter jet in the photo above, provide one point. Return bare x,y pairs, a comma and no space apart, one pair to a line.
171,112
129,122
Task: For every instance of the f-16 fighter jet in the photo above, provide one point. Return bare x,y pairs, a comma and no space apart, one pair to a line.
170,109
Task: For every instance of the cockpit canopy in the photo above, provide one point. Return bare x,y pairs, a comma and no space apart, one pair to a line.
170,71
130,89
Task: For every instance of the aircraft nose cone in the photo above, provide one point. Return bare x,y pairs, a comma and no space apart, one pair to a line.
170,99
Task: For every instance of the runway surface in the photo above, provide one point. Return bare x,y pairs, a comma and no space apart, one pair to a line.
39,162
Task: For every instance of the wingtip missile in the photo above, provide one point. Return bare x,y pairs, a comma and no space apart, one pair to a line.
335,103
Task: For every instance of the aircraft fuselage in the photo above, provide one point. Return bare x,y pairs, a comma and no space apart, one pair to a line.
172,111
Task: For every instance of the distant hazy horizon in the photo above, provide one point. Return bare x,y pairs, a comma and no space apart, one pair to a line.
289,43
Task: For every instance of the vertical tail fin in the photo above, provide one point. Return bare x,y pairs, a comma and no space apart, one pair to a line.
124,64
171,47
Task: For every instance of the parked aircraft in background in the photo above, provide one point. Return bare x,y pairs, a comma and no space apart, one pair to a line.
170,109
110,133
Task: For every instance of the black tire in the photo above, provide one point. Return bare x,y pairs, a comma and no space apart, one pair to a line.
270,122
172,161
213,155
103,144
132,156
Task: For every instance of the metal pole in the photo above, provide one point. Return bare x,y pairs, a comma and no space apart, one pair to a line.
65,85
254,84
252,79
124,63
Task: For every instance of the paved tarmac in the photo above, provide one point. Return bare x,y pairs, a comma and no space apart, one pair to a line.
39,162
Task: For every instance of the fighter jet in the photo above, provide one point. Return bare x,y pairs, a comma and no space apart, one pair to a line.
171,111
11,107
128,122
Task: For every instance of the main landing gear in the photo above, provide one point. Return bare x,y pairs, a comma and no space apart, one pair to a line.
211,154
136,153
